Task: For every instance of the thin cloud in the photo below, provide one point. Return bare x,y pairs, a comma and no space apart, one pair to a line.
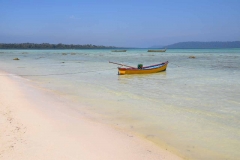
73,17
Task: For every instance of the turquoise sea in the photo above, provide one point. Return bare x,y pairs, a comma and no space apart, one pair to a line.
192,109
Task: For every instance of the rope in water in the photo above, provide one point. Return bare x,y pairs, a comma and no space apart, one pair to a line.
56,74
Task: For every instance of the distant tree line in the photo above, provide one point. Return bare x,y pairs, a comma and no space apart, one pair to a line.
203,45
50,46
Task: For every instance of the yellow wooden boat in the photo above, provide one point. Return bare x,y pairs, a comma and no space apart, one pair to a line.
143,70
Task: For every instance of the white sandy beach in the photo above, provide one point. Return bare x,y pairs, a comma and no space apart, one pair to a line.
36,124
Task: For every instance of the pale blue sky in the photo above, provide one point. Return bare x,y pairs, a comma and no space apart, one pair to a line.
135,23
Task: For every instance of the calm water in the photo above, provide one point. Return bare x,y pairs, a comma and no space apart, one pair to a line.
192,109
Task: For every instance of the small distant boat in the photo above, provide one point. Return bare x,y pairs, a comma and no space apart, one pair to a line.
142,70
119,51
162,50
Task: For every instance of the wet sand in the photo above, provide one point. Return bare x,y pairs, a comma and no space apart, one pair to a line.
36,124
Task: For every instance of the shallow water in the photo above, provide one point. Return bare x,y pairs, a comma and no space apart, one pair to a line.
192,109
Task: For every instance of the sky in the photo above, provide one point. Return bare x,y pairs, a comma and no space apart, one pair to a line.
122,23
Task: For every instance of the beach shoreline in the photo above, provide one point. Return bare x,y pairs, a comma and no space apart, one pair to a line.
36,124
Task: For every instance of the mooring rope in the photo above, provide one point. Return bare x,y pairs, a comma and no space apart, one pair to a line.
56,74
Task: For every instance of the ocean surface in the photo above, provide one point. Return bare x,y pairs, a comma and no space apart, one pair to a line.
192,109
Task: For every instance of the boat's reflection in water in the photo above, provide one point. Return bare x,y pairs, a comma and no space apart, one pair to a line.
144,78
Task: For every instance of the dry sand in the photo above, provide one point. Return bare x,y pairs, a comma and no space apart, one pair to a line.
36,124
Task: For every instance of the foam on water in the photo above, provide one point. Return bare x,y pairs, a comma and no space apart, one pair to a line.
192,109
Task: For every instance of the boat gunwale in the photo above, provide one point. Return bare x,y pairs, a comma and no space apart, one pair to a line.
145,68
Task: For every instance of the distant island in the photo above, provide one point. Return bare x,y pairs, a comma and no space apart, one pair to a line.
51,46
203,45
180,45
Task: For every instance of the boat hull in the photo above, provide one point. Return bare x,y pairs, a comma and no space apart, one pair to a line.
119,51
146,70
157,50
